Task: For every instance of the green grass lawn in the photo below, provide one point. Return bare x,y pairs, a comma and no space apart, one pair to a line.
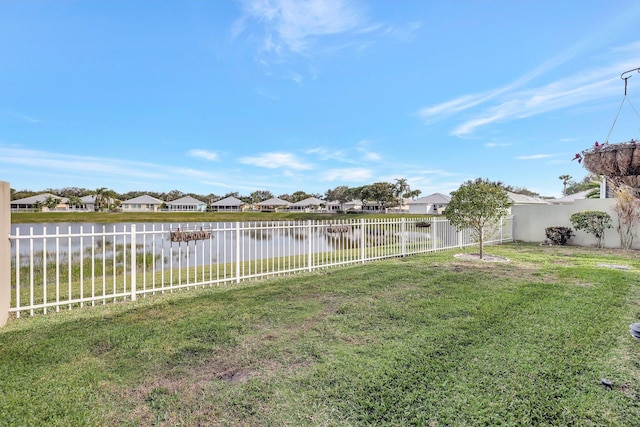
426,340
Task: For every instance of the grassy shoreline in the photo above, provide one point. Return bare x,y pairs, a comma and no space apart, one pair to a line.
422,340
117,217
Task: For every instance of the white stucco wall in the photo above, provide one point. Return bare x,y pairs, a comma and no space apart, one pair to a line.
530,222
418,209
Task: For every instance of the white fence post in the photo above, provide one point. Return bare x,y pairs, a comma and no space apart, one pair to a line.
363,241
5,252
238,236
133,261
434,234
403,234
310,246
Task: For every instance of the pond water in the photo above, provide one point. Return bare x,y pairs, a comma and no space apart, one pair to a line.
226,241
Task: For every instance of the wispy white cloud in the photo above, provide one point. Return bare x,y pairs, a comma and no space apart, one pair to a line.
303,28
536,156
294,77
514,101
192,173
497,144
560,94
276,160
363,147
324,153
465,102
349,174
204,154
445,109
23,117
291,25
47,160
95,168
403,33
371,156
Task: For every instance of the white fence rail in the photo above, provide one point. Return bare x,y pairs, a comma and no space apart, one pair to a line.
63,267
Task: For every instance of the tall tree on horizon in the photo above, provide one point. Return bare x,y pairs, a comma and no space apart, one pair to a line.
565,181
104,199
401,188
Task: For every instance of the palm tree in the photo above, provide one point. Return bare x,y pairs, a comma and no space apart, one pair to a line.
104,199
98,199
565,180
400,189
74,201
52,202
413,194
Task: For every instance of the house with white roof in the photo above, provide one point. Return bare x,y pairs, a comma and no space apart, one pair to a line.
353,205
433,204
570,198
310,204
88,203
372,206
273,205
522,199
144,203
229,204
333,206
186,204
37,202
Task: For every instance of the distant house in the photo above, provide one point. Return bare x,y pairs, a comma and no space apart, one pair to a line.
144,203
402,208
88,203
37,202
353,205
333,206
566,200
521,199
311,204
186,204
371,206
433,204
228,204
273,205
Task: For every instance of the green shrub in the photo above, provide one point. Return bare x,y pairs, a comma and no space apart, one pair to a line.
558,235
592,222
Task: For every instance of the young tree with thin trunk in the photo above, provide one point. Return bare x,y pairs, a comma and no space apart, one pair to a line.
477,205
627,208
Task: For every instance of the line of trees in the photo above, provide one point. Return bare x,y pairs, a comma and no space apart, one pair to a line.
384,193
590,182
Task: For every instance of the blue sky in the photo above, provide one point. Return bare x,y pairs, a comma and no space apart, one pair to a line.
307,95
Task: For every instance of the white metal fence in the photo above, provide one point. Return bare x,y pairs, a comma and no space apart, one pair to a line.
57,267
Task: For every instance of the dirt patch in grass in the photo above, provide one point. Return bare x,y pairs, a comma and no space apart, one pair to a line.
500,268
266,353
485,257
158,398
